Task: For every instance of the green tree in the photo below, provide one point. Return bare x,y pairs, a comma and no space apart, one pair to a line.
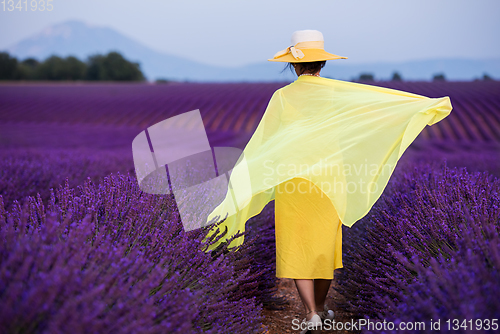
486,77
95,69
26,70
8,66
366,77
75,69
114,67
439,77
396,77
162,81
52,68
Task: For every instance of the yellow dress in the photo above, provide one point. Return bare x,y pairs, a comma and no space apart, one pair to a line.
308,232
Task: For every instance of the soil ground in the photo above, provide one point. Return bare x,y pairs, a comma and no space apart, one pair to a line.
280,321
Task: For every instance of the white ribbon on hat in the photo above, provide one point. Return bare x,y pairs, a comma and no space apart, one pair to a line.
296,53
295,50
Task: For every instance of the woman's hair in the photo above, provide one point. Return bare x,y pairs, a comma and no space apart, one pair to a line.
307,67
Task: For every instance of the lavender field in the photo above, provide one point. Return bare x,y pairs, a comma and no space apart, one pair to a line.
83,249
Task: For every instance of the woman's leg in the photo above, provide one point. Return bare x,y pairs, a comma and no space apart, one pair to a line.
321,287
306,293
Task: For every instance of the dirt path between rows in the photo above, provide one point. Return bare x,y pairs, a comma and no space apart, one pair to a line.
280,321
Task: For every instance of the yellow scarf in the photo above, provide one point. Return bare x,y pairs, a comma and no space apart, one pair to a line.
344,137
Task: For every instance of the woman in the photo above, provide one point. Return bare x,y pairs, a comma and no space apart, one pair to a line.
324,151
308,235
308,230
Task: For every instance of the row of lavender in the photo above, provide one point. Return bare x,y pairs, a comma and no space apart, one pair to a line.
29,171
428,251
110,252
106,257
225,107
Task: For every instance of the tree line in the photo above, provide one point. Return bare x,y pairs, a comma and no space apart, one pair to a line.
110,67
364,77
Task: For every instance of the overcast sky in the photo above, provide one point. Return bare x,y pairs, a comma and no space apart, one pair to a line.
235,32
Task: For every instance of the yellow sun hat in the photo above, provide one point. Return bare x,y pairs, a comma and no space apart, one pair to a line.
307,46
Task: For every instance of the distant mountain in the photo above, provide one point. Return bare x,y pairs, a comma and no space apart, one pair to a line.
81,40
